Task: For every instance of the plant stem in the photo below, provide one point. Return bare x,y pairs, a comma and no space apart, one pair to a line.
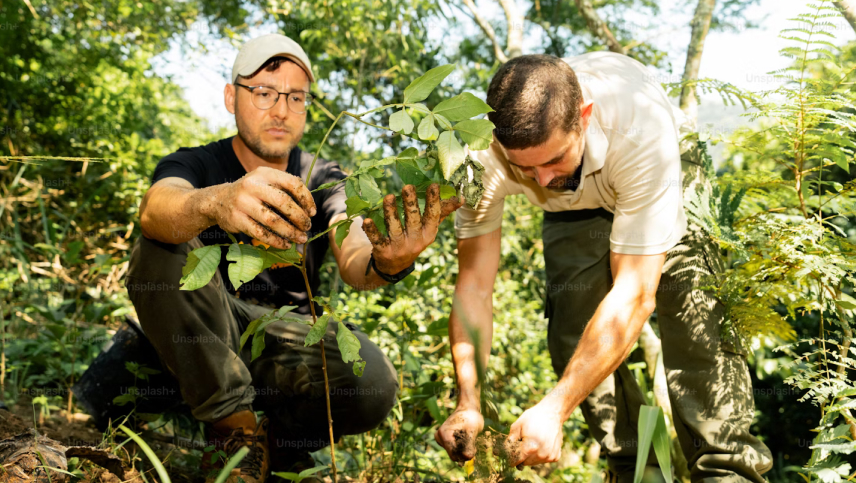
323,369
358,117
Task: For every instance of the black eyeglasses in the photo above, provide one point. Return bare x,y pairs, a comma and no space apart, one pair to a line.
266,97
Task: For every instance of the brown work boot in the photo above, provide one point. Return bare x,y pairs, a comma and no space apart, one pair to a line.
231,434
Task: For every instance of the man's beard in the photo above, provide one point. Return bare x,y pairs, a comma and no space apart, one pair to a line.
260,149
560,184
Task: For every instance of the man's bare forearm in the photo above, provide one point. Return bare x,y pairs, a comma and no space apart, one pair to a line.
175,214
472,315
605,343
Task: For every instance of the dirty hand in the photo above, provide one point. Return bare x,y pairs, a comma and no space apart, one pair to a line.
458,434
402,246
267,204
537,435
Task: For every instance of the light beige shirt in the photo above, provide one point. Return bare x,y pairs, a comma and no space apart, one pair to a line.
631,166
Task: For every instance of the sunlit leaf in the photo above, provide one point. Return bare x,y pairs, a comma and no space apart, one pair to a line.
401,122
451,153
463,106
422,86
248,263
200,267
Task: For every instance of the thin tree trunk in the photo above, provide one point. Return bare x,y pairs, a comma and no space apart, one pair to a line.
514,39
598,27
700,27
488,31
848,9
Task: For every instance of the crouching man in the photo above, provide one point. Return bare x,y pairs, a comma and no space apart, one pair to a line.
594,141
251,185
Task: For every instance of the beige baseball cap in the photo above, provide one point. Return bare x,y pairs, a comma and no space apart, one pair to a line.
257,51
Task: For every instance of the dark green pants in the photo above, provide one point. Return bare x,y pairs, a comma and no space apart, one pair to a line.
708,378
197,335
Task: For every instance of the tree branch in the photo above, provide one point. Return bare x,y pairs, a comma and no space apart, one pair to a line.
700,27
598,27
514,41
488,31
848,9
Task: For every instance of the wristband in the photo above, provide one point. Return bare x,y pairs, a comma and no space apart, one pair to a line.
389,278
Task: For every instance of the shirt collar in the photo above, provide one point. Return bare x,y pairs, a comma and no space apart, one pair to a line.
596,147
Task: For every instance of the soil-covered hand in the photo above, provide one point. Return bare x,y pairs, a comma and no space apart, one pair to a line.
267,204
402,246
458,434
536,437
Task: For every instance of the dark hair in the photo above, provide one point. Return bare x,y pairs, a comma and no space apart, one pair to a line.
531,95
270,65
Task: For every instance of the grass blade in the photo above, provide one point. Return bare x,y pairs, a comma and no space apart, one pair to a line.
164,477
231,464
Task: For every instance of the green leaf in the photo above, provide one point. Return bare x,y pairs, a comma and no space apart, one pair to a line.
411,174
249,262
352,188
342,232
328,185
369,189
477,133
451,153
422,86
380,223
463,106
265,320
258,344
200,267
447,192
349,345
442,121
355,204
287,475
401,122
311,471
409,153
427,130
649,424
317,331
434,409
846,305
278,255
661,445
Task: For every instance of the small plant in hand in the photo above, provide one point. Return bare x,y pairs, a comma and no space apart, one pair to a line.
444,162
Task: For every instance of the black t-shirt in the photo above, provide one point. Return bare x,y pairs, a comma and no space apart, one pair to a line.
216,163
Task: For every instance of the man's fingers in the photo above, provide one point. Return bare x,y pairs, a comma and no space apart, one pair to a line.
372,232
393,223
261,233
449,205
431,217
412,219
272,221
285,205
294,187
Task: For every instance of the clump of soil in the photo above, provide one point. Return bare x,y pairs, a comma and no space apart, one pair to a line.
23,447
493,454
463,445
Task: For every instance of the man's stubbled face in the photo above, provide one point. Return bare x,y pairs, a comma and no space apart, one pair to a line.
271,134
553,163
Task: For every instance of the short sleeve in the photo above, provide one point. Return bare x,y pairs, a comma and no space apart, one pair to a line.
181,164
649,214
486,217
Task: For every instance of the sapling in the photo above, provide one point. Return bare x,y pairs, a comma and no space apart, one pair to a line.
444,161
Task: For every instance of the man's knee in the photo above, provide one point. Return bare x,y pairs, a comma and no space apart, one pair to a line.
369,398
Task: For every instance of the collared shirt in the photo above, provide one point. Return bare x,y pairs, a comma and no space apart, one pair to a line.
632,162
